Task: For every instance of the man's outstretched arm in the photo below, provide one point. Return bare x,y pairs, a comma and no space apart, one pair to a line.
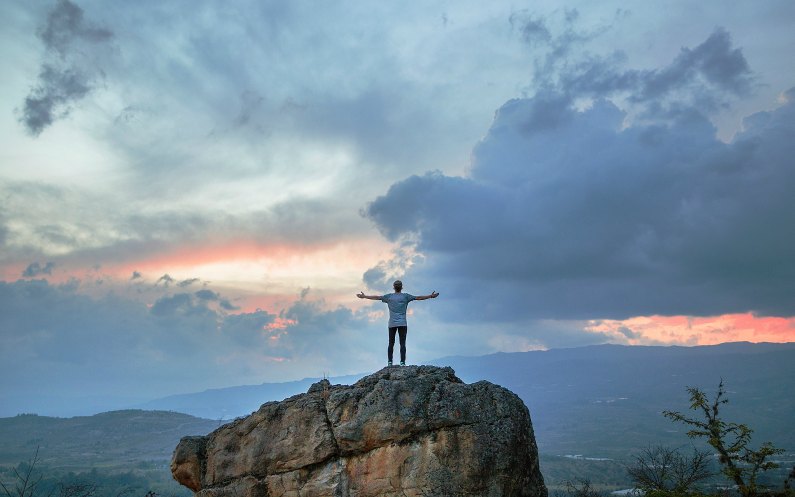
361,295
432,295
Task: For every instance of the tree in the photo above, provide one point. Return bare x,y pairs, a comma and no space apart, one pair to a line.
77,489
739,462
664,469
26,479
790,476
579,488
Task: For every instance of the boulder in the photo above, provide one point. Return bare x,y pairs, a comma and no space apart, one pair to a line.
403,431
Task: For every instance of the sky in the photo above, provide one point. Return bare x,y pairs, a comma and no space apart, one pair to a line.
193,192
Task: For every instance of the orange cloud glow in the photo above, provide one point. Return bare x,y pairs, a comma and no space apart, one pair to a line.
686,330
250,261
279,324
187,257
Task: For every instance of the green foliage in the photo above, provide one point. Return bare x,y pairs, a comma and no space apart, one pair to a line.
739,462
31,479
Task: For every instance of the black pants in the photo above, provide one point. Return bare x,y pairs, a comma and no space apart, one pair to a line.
401,330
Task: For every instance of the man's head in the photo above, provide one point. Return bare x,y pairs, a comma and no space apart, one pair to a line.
397,285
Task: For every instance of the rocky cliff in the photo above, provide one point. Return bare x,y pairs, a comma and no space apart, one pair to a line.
408,431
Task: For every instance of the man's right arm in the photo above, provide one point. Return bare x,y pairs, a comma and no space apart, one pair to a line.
361,295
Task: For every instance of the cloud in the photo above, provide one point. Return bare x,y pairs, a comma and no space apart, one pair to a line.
689,330
227,305
69,71
183,342
211,296
704,78
165,279
386,271
56,222
135,275
3,234
180,304
628,332
715,61
66,26
207,295
188,282
36,269
572,213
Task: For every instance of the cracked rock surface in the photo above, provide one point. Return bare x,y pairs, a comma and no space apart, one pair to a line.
408,431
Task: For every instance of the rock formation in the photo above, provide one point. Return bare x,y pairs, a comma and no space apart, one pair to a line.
408,431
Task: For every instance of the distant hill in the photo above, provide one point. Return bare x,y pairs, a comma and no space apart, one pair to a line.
606,400
111,440
598,401
232,402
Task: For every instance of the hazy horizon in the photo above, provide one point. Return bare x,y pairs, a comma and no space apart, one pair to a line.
89,406
192,193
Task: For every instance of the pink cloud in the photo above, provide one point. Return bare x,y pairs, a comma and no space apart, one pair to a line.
687,330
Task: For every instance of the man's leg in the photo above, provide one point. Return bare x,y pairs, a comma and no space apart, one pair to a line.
391,347
402,330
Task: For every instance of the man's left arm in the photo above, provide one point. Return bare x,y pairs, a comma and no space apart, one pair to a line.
432,295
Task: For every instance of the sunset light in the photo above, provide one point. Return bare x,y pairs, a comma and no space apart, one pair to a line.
201,195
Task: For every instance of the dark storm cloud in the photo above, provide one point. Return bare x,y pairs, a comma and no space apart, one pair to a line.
69,71
36,269
715,60
66,25
553,46
574,214
703,78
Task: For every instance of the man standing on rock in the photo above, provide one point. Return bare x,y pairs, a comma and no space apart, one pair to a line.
398,302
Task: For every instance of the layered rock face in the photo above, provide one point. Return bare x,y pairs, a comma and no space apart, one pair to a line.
408,431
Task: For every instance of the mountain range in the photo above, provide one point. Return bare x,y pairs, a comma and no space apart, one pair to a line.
597,401
591,407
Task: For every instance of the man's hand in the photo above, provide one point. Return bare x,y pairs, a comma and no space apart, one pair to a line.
432,295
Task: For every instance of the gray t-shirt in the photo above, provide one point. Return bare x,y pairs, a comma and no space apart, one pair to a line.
398,303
